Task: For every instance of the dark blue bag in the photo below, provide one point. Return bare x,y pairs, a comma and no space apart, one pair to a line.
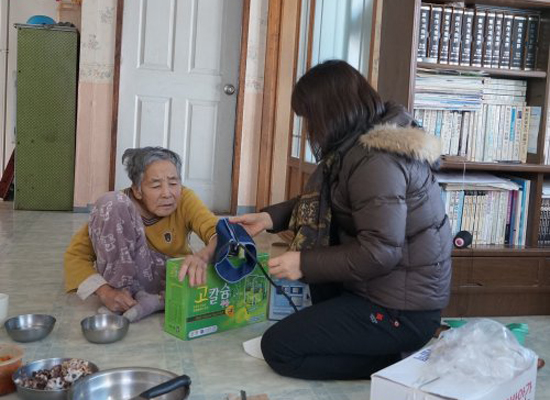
231,237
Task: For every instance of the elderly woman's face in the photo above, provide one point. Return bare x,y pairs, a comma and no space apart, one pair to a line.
160,188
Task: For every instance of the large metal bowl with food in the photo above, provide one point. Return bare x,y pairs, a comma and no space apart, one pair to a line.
50,378
127,383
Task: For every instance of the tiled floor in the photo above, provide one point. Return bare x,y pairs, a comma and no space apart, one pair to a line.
31,253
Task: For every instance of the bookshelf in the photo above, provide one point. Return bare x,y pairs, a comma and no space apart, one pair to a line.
488,280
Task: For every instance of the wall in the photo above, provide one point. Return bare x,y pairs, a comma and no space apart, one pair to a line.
95,95
252,108
12,12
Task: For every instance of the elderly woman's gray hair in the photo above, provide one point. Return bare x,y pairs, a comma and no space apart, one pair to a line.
137,160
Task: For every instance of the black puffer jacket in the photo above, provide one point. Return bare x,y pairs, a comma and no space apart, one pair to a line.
393,237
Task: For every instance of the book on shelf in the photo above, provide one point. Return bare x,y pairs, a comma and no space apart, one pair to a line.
519,29
518,236
544,222
467,37
436,15
497,39
506,47
482,36
546,152
445,40
423,32
489,40
478,38
456,36
533,23
533,129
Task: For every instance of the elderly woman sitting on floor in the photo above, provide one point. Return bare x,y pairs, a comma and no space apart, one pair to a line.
120,253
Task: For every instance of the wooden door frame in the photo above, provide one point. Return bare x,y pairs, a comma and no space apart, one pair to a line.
272,55
283,25
240,100
116,91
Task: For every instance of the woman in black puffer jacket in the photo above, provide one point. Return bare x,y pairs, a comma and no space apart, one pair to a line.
371,235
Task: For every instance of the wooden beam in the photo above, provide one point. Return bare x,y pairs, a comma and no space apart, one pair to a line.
240,108
116,86
288,54
374,56
269,103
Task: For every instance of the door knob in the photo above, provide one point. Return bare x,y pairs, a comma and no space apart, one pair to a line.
229,89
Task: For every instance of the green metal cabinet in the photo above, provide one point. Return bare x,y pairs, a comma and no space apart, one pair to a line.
47,68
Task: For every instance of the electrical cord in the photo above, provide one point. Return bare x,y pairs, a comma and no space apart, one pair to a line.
278,288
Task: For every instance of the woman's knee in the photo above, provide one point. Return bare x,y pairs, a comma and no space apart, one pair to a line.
110,200
268,345
111,205
276,352
275,344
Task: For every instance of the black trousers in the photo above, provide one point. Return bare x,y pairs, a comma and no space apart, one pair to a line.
344,337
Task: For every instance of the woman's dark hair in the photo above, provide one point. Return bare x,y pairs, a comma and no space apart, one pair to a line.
336,102
137,160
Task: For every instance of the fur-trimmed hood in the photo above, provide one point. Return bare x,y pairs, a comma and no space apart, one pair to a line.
406,141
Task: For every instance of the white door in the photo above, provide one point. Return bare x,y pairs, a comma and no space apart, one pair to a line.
177,57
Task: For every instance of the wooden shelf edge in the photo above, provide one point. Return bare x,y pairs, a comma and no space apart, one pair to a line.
486,71
485,290
484,166
502,250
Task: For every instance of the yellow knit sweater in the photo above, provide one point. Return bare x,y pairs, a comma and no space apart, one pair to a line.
190,216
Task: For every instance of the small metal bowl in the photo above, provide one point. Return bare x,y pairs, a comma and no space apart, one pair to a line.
104,328
29,327
37,394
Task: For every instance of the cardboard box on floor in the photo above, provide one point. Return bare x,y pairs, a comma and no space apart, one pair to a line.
279,307
217,306
400,381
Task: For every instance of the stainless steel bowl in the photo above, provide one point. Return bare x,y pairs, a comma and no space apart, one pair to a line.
104,328
29,327
123,384
36,394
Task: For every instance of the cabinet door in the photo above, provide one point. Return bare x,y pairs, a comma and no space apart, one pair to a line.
500,272
499,286
46,118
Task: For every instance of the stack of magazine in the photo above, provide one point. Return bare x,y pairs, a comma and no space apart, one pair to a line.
494,209
478,118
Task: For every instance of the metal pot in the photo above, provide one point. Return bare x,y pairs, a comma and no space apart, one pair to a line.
124,383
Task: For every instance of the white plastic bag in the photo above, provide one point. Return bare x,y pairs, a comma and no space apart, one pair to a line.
482,349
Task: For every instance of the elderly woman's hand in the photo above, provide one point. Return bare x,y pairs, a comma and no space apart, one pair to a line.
116,300
193,266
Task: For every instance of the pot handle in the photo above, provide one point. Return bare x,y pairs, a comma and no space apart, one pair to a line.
166,387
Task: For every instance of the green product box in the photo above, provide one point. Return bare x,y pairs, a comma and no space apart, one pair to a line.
217,306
